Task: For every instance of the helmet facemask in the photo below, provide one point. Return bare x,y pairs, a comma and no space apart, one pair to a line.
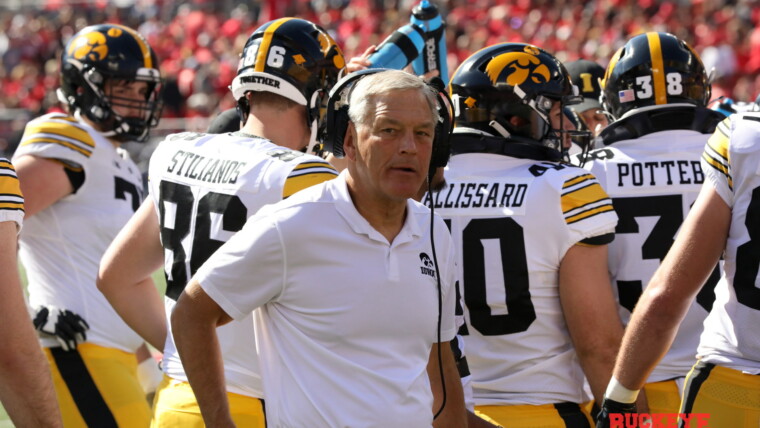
149,109
537,115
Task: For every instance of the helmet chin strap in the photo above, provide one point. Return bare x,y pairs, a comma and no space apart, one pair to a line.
500,129
78,115
312,138
314,125
121,130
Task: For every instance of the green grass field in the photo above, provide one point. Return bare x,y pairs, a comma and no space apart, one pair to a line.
5,421
158,277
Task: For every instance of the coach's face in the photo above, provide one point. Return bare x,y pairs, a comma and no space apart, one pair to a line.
390,153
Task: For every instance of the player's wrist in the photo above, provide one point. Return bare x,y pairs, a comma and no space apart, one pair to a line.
149,375
617,392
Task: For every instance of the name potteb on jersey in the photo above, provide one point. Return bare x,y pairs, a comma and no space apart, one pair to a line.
653,173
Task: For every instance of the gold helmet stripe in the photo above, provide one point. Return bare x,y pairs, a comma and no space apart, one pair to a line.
611,66
658,68
144,48
266,40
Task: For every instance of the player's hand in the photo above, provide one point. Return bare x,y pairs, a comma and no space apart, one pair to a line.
612,406
149,375
68,328
360,62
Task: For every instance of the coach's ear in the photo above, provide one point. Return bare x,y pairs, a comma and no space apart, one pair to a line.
349,142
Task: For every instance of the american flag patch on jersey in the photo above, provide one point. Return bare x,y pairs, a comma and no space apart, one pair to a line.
626,96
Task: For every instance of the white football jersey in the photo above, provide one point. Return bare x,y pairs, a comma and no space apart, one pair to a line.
204,187
513,220
61,246
731,162
653,181
11,201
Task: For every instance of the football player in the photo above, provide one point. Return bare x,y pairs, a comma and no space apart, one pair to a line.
723,385
26,388
203,187
586,75
81,187
531,234
657,90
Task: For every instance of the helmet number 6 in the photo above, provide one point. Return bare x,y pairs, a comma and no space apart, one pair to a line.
276,57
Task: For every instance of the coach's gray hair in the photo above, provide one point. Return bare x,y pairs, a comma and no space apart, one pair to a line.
362,95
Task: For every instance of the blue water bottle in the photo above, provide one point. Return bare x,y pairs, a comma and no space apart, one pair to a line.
433,56
399,49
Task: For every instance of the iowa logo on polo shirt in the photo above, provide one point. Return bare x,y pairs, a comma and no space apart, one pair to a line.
427,268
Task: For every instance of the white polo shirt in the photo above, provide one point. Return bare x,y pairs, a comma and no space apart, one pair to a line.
347,320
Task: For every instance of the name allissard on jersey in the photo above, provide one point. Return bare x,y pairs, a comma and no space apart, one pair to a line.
204,187
481,194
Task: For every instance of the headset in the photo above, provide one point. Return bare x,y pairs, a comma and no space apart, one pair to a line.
336,121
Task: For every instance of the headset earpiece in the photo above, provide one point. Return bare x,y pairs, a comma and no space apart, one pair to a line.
243,108
337,118
442,139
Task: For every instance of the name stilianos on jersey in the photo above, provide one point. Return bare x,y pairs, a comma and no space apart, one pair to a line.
204,168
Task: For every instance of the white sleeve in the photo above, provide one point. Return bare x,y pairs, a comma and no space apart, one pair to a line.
716,164
11,201
448,285
586,207
56,136
248,270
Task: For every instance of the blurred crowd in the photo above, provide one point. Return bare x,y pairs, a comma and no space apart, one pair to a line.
198,41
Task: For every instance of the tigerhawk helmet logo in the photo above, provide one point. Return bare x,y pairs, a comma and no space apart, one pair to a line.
92,45
328,45
516,68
